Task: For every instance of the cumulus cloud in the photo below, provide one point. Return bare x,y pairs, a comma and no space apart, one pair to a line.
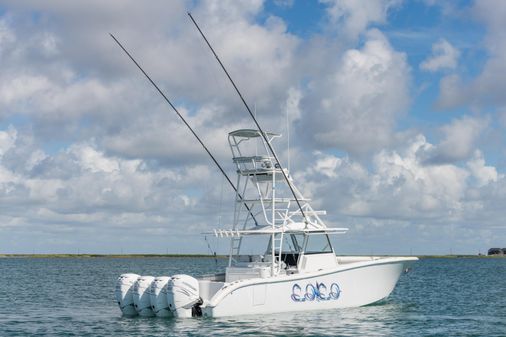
90,89
119,149
354,17
482,173
82,180
459,140
400,187
7,36
444,56
485,89
7,140
93,149
452,90
357,102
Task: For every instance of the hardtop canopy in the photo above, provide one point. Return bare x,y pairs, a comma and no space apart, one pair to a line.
251,133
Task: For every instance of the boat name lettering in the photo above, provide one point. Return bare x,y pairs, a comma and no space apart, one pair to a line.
315,292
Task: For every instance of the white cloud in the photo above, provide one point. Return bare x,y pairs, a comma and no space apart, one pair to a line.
459,140
482,173
96,147
354,106
87,74
486,88
7,36
22,88
7,140
355,17
259,58
452,91
327,165
400,187
49,44
82,180
292,104
96,161
119,148
444,56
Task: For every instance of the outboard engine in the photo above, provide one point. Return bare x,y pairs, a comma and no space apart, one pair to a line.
142,301
158,297
124,293
183,296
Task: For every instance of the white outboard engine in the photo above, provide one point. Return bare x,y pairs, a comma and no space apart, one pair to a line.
158,297
124,293
183,296
142,301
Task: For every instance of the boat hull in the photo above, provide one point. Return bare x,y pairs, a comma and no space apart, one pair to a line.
350,285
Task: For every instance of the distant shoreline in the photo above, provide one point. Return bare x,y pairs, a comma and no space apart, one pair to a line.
49,256
107,255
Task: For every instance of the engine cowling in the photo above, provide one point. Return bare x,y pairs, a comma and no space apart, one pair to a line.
124,293
141,296
183,296
158,297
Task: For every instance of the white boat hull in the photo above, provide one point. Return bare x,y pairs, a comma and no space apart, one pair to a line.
348,285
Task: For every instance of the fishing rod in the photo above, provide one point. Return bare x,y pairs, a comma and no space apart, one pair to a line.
188,125
264,136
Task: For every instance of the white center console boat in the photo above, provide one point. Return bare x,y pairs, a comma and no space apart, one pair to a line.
297,268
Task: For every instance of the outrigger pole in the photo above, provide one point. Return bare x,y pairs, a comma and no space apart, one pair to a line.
188,125
252,116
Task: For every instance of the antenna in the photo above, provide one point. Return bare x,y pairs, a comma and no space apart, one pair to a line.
252,116
288,138
186,123
256,142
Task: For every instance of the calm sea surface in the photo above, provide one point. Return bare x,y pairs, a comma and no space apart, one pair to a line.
75,297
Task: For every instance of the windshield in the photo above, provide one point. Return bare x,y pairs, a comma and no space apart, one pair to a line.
292,243
318,243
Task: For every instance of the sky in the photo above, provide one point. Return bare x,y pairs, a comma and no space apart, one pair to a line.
395,111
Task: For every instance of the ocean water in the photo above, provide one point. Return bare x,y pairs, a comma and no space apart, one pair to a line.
75,297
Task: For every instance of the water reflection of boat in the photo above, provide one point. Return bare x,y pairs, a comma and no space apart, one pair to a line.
298,270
